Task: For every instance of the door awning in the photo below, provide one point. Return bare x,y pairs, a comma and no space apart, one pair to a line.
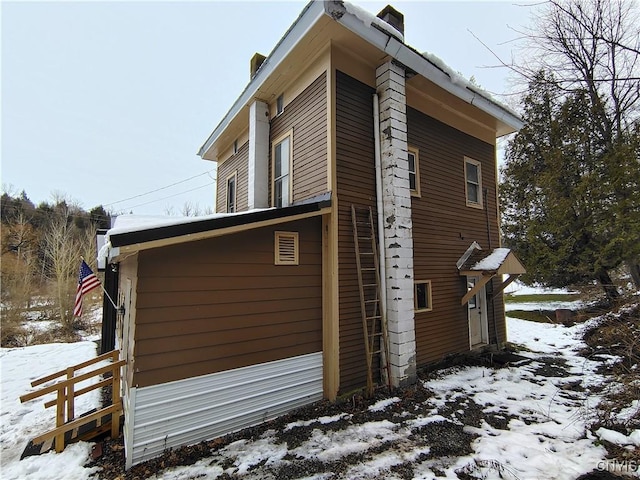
478,262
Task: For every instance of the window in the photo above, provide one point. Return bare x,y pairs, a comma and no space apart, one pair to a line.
280,104
286,252
473,182
235,146
473,301
422,296
231,192
414,171
281,188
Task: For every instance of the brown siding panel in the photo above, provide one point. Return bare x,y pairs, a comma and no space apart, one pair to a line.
221,303
307,115
356,185
444,227
238,162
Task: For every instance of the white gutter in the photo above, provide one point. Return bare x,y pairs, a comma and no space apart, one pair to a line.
309,16
381,248
376,37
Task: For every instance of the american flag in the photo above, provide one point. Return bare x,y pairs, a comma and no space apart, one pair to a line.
86,282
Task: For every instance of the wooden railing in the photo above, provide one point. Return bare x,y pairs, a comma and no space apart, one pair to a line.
66,394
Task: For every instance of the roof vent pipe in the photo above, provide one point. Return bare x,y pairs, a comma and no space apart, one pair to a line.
393,18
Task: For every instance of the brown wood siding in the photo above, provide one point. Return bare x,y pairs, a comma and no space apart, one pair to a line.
238,162
444,227
356,185
307,115
219,304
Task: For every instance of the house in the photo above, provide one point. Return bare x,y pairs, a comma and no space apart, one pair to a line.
232,319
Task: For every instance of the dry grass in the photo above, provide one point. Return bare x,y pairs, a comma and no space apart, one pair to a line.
618,335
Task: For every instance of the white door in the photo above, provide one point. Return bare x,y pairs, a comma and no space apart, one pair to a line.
477,314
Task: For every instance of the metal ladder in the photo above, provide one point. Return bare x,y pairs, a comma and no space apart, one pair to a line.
373,317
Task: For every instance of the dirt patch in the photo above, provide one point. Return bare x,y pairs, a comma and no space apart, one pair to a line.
551,367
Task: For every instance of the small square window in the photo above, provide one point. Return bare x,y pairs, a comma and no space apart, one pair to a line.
414,171
286,248
422,296
280,104
231,193
473,182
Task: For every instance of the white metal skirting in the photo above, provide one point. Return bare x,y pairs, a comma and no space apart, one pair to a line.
194,409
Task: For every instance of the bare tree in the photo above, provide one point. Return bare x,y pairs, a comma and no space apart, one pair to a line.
19,279
63,250
591,46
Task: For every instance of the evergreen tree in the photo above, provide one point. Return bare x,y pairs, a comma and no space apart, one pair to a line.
570,196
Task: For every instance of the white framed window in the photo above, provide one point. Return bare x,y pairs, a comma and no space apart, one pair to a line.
473,182
413,157
286,248
232,195
473,301
281,172
280,104
422,296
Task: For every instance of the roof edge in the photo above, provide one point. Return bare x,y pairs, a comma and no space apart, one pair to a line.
307,18
212,224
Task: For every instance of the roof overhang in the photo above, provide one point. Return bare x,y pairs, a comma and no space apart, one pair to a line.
313,25
477,262
127,242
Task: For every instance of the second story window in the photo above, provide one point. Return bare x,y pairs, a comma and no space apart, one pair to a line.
414,171
281,187
473,182
231,193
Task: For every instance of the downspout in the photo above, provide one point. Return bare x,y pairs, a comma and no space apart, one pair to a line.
493,297
381,248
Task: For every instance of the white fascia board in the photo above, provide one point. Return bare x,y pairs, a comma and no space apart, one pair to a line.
411,59
309,16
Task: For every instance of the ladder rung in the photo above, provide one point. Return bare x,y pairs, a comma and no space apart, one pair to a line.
368,269
373,335
374,317
372,301
373,353
370,285
365,238
366,253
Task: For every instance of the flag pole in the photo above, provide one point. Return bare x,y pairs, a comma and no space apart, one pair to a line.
109,297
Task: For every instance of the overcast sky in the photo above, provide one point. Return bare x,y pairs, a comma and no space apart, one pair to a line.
104,101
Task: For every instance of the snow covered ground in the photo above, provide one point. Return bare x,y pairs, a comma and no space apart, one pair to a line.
21,422
538,428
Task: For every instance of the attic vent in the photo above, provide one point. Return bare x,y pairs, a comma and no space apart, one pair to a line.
286,248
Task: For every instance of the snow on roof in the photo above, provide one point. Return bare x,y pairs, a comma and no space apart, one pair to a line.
137,223
459,80
369,19
492,261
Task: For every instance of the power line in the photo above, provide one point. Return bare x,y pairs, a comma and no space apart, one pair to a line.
170,196
159,189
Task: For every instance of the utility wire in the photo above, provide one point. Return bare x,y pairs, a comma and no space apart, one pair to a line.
170,196
159,189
